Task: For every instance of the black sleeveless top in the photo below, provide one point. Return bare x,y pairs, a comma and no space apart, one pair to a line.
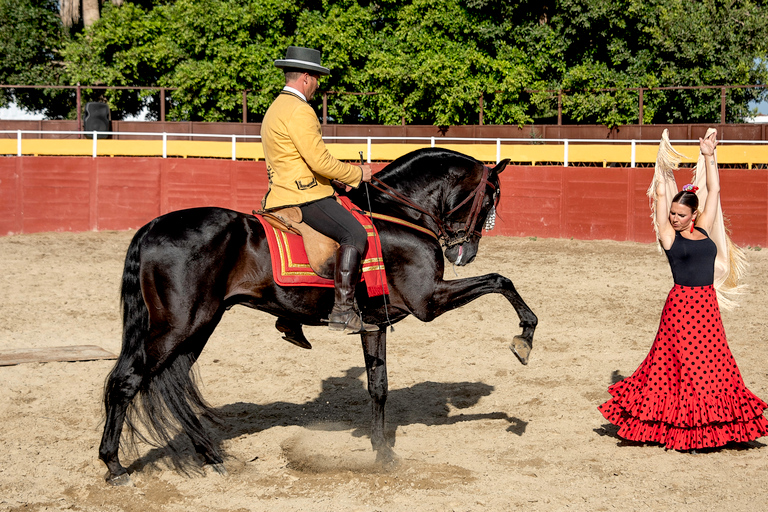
692,261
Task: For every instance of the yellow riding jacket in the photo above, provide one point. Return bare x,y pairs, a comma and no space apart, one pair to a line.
299,166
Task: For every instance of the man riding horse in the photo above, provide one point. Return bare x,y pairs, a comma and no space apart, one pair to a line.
300,170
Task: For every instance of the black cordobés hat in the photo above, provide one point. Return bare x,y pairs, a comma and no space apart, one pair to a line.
303,59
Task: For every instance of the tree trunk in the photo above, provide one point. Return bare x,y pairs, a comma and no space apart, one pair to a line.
69,11
90,12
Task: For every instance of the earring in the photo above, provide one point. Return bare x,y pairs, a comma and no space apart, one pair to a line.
692,226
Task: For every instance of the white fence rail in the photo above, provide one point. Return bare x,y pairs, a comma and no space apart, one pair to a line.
369,141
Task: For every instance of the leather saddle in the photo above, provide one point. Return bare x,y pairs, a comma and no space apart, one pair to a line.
321,250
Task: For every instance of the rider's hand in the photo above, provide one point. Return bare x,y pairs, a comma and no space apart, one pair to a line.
366,172
707,146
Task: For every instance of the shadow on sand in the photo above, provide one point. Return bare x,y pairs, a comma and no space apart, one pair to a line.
343,403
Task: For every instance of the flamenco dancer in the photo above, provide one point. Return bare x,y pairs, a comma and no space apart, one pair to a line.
688,393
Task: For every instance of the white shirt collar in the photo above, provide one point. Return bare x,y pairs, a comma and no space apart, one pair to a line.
294,91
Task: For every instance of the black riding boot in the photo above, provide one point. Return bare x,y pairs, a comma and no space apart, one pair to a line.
345,316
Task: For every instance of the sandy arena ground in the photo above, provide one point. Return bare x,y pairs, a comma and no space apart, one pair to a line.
475,430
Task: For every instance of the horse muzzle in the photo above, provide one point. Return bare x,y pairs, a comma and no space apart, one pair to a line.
461,254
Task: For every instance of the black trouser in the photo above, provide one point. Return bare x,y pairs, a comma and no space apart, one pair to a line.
333,220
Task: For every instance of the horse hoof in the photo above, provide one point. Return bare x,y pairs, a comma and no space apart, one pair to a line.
120,480
219,469
299,342
387,458
521,348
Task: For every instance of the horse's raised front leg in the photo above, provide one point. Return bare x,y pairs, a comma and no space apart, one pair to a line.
375,351
450,295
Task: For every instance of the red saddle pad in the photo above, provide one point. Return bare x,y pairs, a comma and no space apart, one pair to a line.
290,264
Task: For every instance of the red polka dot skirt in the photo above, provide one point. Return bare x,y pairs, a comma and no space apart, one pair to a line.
688,392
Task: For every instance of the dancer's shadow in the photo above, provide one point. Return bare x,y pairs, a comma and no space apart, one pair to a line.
616,376
610,430
343,403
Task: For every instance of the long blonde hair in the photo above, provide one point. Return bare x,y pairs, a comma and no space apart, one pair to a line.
731,261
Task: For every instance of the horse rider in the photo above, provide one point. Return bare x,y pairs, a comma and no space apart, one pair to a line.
300,170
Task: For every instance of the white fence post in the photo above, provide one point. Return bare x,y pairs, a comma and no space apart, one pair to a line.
498,150
565,153
234,149
633,154
165,145
432,142
18,142
368,145
95,138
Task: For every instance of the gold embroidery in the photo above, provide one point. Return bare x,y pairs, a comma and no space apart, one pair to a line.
286,260
285,257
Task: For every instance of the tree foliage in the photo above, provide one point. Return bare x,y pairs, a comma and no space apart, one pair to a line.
413,61
31,39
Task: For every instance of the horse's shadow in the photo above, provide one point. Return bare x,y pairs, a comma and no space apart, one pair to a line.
342,404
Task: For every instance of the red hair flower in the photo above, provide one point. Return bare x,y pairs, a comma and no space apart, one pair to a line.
690,188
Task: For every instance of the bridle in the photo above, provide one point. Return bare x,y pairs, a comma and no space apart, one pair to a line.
445,237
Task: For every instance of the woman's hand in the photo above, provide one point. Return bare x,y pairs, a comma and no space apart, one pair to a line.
707,146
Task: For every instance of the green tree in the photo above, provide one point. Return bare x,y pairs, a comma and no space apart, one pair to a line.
209,51
31,40
654,43
418,61
428,61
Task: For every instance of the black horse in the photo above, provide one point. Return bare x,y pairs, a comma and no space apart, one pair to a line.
183,270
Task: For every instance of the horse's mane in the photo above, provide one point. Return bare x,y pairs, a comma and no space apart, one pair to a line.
413,175
403,168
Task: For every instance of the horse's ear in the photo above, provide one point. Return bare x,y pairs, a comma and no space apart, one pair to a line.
500,166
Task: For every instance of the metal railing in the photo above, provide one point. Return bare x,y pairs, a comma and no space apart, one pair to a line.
559,94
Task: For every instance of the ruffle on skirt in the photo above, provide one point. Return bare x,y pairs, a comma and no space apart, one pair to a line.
688,438
688,392
685,411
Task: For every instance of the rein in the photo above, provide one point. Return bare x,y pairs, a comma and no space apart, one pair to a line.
443,235
396,220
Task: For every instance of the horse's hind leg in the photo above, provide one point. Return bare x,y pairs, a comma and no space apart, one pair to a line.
158,375
375,351
122,385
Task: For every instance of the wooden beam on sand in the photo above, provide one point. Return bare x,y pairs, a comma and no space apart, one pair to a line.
14,356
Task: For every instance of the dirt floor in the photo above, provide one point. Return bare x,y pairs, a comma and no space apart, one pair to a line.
475,430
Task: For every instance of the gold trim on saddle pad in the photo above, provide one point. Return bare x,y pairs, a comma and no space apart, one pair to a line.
285,257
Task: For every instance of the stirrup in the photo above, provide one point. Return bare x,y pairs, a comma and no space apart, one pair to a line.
349,321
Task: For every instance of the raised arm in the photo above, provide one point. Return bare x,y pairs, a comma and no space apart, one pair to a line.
661,216
707,217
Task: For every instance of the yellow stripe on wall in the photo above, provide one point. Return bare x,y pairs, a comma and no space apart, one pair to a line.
8,146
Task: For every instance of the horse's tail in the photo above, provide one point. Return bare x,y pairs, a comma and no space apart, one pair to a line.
135,313
167,400
127,376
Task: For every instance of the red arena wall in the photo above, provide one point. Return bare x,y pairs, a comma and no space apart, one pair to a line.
589,203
